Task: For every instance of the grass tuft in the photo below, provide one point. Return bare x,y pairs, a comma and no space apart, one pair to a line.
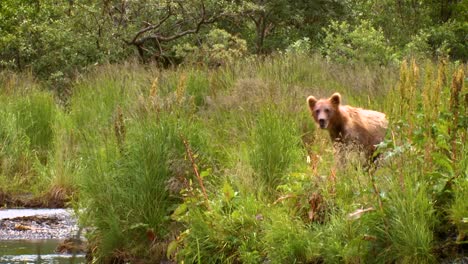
275,148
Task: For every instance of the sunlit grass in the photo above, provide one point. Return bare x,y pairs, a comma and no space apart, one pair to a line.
274,190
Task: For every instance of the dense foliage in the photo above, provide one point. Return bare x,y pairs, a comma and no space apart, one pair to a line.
54,38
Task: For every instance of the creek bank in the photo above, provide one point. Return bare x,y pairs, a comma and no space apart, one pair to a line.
54,198
36,224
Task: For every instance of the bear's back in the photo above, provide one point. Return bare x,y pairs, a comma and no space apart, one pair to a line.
369,122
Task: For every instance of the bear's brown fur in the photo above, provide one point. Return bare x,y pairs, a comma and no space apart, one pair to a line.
349,125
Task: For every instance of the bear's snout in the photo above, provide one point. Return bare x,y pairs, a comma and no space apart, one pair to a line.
322,123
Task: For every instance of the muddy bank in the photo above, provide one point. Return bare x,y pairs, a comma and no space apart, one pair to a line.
54,198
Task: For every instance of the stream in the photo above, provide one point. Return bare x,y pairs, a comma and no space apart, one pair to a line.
32,236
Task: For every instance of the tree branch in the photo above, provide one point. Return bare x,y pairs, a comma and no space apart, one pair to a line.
173,29
152,27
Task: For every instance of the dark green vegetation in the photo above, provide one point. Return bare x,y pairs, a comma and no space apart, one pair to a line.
204,150
55,39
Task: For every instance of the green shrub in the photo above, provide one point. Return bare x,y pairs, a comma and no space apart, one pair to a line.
450,39
301,46
443,40
229,232
418,47
363,43
218,48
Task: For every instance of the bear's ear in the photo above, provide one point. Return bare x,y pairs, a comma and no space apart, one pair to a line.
335,99
311,102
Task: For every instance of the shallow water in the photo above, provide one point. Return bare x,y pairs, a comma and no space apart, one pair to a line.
35,251
28,250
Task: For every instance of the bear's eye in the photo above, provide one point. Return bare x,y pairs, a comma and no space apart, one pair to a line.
317,111
327,110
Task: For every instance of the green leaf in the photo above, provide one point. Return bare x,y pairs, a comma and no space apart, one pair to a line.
138,225
205,173
179,211
443,162
228,192
171,248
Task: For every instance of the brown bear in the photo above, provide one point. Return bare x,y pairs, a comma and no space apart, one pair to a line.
347,125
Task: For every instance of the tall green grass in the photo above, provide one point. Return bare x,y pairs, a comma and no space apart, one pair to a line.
130,194
15,155
275,147
26,134
273,190
289,240
36,115
230,232
410,226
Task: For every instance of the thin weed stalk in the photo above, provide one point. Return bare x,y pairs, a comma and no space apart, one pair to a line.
455,108
119,129
332,178
371,174
195,170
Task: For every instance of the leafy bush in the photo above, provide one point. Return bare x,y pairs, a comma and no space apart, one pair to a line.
228,232
219,47
439,41
418,47
303,46
362,43
450,38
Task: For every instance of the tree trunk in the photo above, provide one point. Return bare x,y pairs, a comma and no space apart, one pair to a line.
18,60
446,9
261,33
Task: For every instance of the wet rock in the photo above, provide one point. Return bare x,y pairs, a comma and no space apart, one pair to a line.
71,246
21,227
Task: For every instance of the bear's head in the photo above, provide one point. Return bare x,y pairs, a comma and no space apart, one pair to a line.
323,110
